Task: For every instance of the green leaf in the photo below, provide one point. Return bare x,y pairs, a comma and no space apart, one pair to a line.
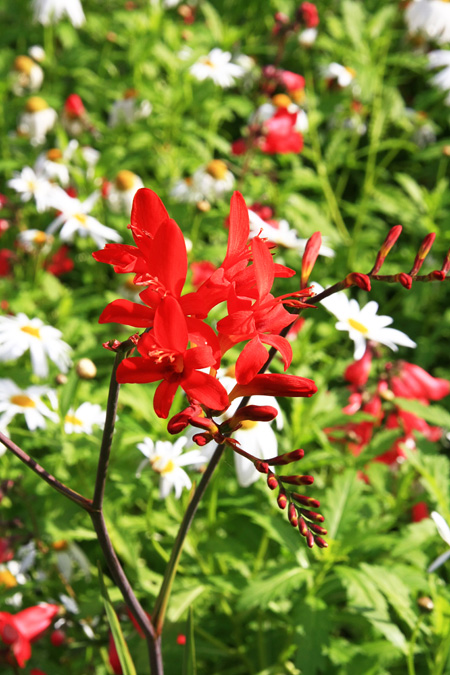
189,663
66,400
433,414
264,589
122,649
342,501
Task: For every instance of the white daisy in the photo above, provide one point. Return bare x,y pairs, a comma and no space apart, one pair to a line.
35,240
340,74
213,181
280,232
440,58
26,75
430,18
29,184
121,193
84,418
37,53
19,333
186,192
75,219
217,67
128,109
444,531
51,165
363,324
68,554
307,37
28,402
37,120
52,11
166,458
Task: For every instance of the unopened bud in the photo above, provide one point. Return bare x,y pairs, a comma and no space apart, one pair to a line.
388,243
446,264
310,256
255,413
321,543
313,515
292,515
309,539
357,279
201,439
404,279
297,480
426,603
303,529
262,467
272,481
317,529
61,379
282,500
86,369
203,206
305,501
287,458
424,250
437,275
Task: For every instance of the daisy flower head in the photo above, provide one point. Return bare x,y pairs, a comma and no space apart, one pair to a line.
166,458
52,165
185,191
37,120
84,418
32,184
444,531
74,219
128,109
26,75
440,58
52,11
429,18
19,334
28,402
33,241
213,181
217,67
336,73
121,193
364,323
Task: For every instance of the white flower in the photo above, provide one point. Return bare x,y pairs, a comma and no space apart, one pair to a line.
363,324
52,11
256,438
444,531
37,53
440,58
166,459
121,193
430,18
185,191
37,120
27,402
83,419
75,219
279,232
342,75
29,183
35,240
19,333
217,67
26,75
128,109
307,37
69,554
50,164
213,181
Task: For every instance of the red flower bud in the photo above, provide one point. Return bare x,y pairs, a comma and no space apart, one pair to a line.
297,480
57,638
292,515
272,481
181,639
446,264
287,458
310,256
201,439
357,373
313,515
321,543
388,243
73,106
255,413
282,500
317,529
306,501
309,539
262,467
404,279
357,279
302,527
424,250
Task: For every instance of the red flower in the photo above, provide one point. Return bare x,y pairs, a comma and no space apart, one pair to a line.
201,271
280,135
357,373
166,357
415,383
269,384
73,106
419,512
309,14
19,630
5,262
291,81
60,262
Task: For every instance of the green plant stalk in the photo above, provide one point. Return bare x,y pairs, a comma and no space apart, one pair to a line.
412,644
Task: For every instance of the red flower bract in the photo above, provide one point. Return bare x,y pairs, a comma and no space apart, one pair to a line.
19,630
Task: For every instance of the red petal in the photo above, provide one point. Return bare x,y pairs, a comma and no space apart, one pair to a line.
136,369
282,345
239,323
127,313
206,389
250,361
168,260
263,263
203,335
148,211
163,398
198,357
275,385
123,256
33,621
170,325
239,226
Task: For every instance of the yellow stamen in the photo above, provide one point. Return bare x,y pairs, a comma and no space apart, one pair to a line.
31,330
71,419
23,64
358,326
54,154
22,401
248,424
125,180
170,466
7,579
231,371
81,218
281,101
60,545
35,104
130,93
40,238
217,169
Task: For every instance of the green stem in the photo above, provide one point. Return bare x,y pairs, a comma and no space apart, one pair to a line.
412,644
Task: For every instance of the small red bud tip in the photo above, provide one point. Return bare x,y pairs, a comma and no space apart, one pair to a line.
282,500
446,264
297,480
321,543
292,515
287,458
388,243
317,529
181,639
306,501
438,275
201,439
57,638
404,279
422,253
357,279
309,539
302,527
313,515
310,256
272,481
262,467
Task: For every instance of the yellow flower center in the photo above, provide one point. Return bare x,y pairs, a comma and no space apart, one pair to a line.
281,101
124,180
168,467
358,326
31,185
54,155
352,71
248,424
31,330
130,93
81,218
60,545
7,579
35,104
217,169
23,64
298,95
208,63
40,238
71,419
22,401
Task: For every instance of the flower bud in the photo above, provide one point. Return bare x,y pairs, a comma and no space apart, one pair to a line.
357,373
201,439
313,515
357,279
305,501
321,543
388,243
262,467
297,480
292,515
272,481
424,250
310,256
317,529
282,500
404,279
302,527
446,264
287,458
309,539
86,369
57,638
255,413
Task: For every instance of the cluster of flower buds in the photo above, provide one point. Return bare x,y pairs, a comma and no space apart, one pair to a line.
406,279
306,17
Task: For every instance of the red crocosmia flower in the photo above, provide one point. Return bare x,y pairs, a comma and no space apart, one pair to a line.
6,553
357,373
270,384
73,106
291,81
309,14
414,382
280,134
113,657
60,262
19,630
167,358
419,512
260,322
239,147
309,257
5,261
